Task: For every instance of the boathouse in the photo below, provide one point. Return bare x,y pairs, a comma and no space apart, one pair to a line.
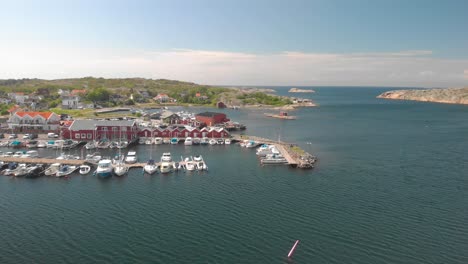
102,129
211,118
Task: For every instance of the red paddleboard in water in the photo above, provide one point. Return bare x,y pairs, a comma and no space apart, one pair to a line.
291,252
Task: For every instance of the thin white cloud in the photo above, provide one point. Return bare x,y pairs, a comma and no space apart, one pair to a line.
403,68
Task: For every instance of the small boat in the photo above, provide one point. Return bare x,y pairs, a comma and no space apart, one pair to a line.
104,168
19,154
90,145
220,141
120,169
93,158
21,171
12,168
213,141
166,167
281,115
266,149
190,165
150,167
41,144
166,157
200,163
85,169
227,141
32,144
149,141
141,141
158,141
65,170
251,144
50,144
188,141
174,141
273,159
103,144
8,154
166,141
69,144
52,169
30,154
196,141
113,144
131,157
122,144
204,141
35,171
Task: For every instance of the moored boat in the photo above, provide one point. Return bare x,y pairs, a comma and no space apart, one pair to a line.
158,141
131,157
166,156
204,141
166,167
227,141
174,141
104,168
213,141
150,167
85,169
273,159
52,169
166,140
188,141
65,170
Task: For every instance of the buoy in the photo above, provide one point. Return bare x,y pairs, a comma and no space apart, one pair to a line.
291,252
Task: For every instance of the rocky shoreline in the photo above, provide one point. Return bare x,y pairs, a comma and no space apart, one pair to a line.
447,96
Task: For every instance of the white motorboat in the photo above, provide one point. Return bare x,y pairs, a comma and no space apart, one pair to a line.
19,154
220,141
158,141
188,141
196,141
52,169
213,141
65,170
131,157
13,168
142,141
166,167
30,154
149,141
273,159
104,168
150,167
90,145
251,144
41,144
204,141
93,158
265,149
200,163
85,169
166,156
166,141
227,141
190,165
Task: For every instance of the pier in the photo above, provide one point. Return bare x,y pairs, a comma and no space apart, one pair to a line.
295,156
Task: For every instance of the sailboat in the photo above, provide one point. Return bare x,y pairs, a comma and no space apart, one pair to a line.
119,166
150,167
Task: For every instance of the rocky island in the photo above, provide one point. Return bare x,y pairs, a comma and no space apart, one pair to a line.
447,96
297,90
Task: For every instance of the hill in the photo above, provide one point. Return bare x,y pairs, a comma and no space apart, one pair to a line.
448,96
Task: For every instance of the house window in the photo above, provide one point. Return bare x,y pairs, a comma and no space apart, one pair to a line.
83,136
123,128
77,135
90,136
104,129
186,134
114,128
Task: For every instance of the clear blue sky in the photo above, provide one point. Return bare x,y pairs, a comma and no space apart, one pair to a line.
254,27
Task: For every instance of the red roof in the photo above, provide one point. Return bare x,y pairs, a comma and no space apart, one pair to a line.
13,108
75,92
45,115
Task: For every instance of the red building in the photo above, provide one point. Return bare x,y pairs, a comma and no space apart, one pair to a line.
211,118
102,129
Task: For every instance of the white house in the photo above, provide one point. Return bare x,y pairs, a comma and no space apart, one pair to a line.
70,101
34,121
19,97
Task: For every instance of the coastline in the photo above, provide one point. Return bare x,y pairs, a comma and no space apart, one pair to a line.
443,96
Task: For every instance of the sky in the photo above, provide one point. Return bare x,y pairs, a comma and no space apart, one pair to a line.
237,42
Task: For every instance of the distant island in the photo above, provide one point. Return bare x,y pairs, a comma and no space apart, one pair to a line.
297,90
447,96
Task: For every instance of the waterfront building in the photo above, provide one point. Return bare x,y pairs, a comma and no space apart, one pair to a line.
102,129
26,121
211,118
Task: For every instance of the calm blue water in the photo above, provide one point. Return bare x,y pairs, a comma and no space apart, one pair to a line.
391,186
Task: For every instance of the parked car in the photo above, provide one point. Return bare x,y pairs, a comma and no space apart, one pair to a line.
12,136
